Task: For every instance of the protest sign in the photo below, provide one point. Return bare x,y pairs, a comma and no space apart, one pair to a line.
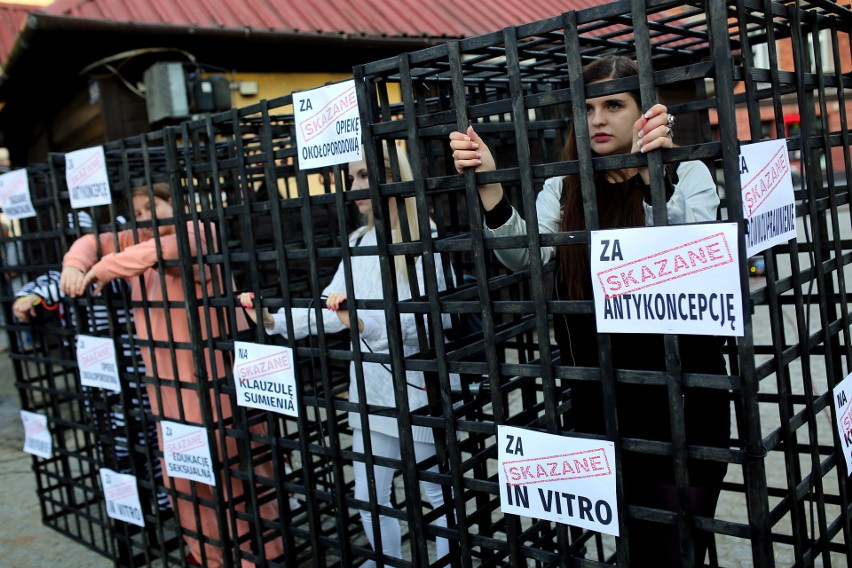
15,195
97,363
843,416
187,452
37,438
265,377
558,478
678,279
86,177
769,205
328,125
122,497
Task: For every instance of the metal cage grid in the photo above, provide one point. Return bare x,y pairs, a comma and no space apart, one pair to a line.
246,219
66,484
717,66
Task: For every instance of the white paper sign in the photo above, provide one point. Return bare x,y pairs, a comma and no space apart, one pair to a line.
767,192
265,377
37,438
97,363
15,195
843,415
122,497
678,279
86,177
558,478
187,453
328,126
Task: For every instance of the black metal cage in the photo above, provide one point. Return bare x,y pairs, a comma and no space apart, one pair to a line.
477,338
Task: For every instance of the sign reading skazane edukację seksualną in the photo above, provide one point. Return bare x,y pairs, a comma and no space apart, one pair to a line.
187,452
677,279
97,363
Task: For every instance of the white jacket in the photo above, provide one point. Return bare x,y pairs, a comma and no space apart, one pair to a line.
694,200
378,382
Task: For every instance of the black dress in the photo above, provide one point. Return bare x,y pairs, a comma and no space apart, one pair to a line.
643,409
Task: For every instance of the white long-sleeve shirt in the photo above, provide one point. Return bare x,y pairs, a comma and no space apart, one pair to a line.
694,200
378,382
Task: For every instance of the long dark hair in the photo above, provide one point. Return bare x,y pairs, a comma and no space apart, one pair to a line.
620,205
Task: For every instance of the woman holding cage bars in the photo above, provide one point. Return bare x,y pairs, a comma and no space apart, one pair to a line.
125,431
173,392
618,126
377,377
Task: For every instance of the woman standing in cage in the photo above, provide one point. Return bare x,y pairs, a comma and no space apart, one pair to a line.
173,390
618,126
372,331
124,431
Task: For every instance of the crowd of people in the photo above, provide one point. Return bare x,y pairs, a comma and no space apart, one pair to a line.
177,390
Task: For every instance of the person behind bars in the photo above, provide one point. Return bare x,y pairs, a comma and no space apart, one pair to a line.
617,125
173,377
372,333
122,432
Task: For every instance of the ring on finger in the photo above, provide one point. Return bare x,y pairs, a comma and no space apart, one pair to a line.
670,125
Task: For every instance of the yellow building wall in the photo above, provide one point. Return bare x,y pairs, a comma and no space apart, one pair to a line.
274,85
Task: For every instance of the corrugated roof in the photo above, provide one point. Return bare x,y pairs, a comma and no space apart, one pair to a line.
382,18
12,17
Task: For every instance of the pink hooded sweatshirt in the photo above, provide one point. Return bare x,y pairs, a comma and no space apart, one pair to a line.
134,260
136,263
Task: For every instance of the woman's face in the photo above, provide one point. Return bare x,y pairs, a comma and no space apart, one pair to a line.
611,120
358,175
162,210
